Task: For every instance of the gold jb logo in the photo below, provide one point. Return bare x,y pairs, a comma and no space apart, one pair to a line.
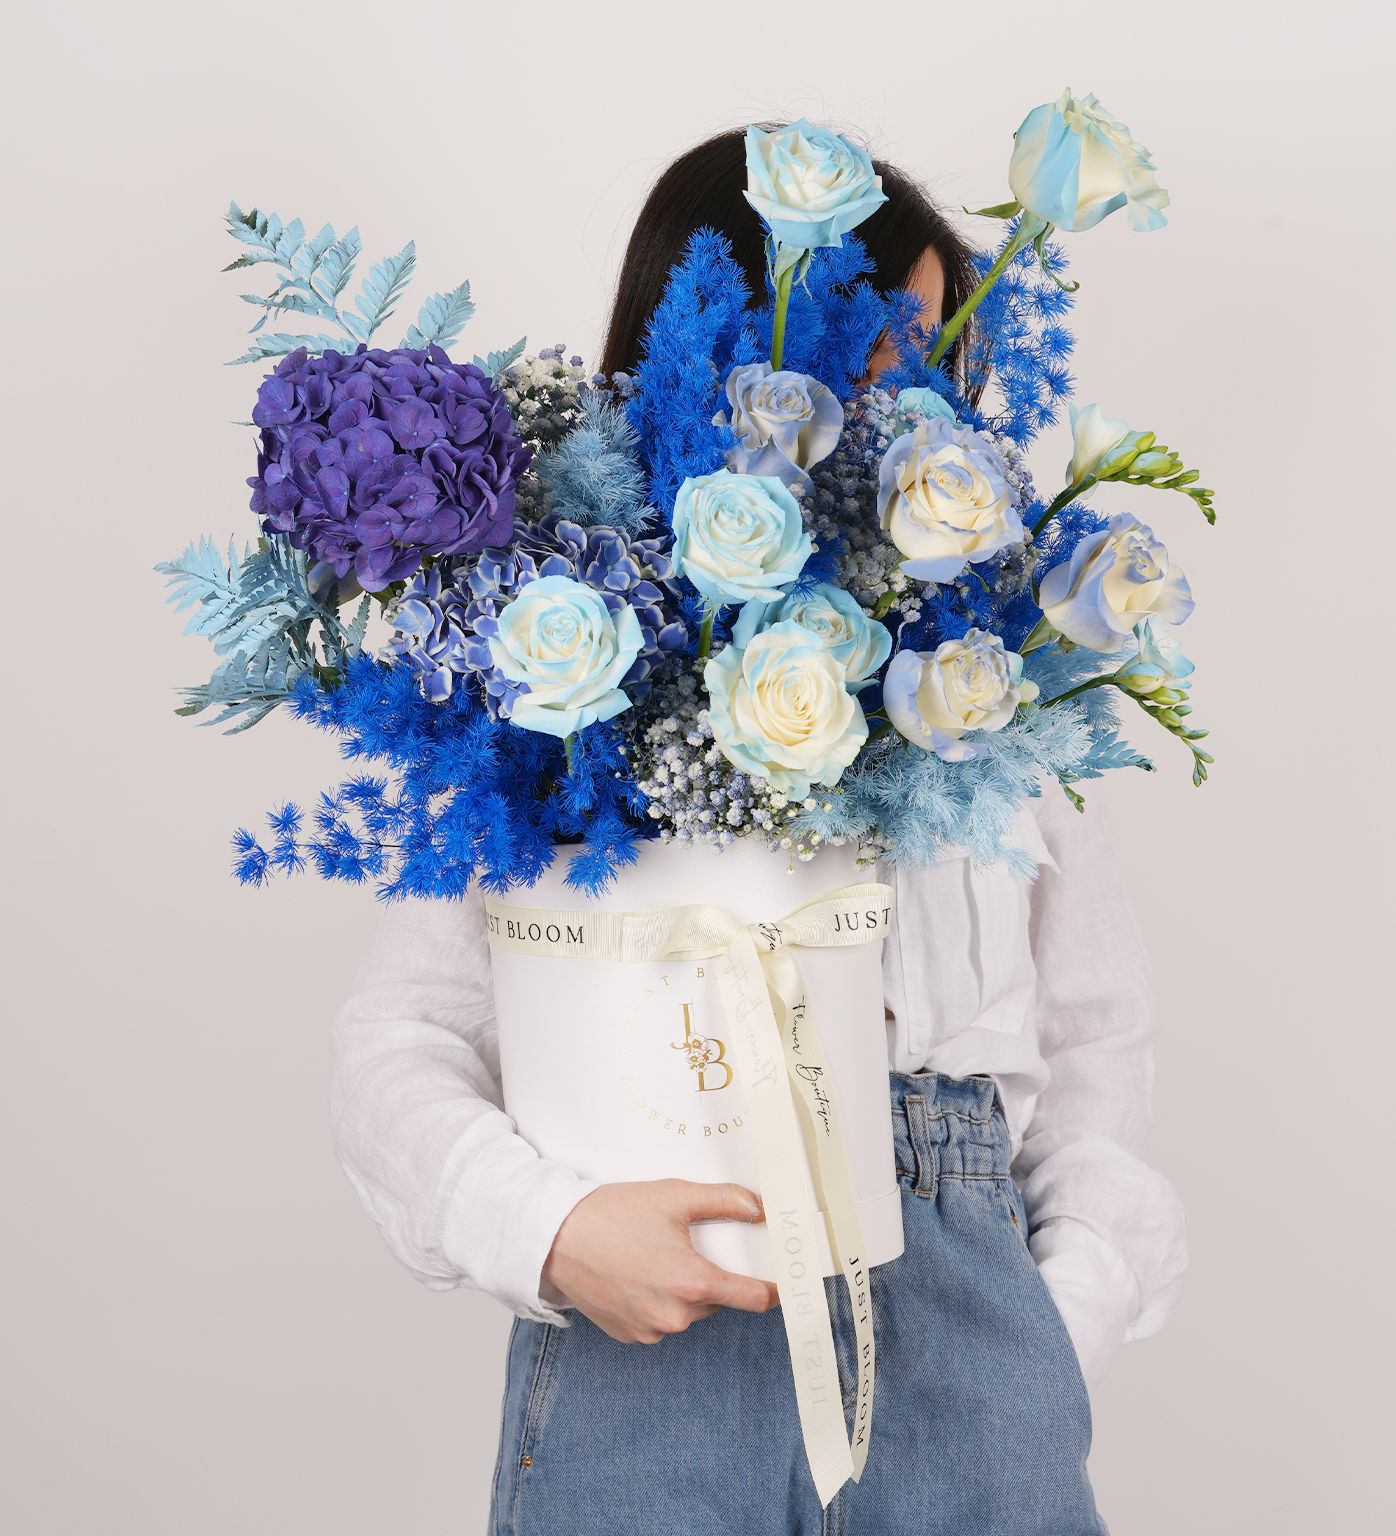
705,1053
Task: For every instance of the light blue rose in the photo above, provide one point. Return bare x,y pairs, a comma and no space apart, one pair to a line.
559,638
1073,164
809,184
738,536
924,402
780,709
856,642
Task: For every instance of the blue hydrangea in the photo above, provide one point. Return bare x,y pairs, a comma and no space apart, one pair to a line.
447,616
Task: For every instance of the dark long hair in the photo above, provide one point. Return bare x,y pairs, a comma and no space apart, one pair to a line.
704,188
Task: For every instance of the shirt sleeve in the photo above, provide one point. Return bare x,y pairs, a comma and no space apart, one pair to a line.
1105,1229
418,1113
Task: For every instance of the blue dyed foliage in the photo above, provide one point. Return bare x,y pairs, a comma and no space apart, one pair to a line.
594,475
1015,349
313,273
469,799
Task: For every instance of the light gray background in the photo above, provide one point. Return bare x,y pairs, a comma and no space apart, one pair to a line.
205,1333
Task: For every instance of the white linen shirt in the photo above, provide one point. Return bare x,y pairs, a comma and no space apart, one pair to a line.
1043,986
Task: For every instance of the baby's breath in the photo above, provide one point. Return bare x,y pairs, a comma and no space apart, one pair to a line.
695,794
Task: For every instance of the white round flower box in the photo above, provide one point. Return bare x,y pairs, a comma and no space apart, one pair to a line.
624,1071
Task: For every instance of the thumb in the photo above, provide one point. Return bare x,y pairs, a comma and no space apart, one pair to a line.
713,1202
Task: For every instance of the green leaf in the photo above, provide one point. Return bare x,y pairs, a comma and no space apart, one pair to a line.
998,211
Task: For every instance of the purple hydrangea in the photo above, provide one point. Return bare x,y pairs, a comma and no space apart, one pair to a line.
444,625
371,460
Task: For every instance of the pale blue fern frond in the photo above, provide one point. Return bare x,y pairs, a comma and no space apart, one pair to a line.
359,627
497,362
200,576
264,232
279,344
379,291
337,265
314,274
240,605
441,319
1110,750
248,685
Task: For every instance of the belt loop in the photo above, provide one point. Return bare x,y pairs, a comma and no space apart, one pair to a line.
918,1125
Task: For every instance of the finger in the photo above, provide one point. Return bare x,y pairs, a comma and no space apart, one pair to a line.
744,1292
713,1202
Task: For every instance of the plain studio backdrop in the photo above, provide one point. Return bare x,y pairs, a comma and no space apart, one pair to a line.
206,1334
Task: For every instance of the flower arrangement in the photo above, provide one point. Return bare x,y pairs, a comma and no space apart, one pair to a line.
741,594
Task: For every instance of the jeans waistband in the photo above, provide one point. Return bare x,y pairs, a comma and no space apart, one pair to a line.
946,1127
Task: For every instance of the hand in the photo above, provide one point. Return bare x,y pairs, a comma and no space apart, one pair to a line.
623,1258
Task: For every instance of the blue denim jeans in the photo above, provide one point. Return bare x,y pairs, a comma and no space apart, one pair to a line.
981,1420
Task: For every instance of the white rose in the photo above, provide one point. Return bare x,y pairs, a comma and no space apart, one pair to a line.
859,644
1115,579
738,536
944,499
1073,164
785,423
559,637
934,697
780,709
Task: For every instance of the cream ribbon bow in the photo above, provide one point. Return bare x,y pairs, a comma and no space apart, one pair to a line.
772,1018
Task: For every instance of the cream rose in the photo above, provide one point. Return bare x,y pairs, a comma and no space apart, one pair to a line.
974,684
785,423
738,536
1114,580
944,499
780,709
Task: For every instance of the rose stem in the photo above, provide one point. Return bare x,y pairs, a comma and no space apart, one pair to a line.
569,746
1028,230
705,634
783,283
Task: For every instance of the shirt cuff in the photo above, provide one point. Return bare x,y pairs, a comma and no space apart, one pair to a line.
1093,1289
502,1220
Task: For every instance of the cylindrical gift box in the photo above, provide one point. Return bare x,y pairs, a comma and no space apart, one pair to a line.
624,1071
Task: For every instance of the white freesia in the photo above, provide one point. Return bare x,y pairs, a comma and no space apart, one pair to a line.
859,644
1095,441
1114,580
944,499
780,709
560,639
974,684
1073,164
785,423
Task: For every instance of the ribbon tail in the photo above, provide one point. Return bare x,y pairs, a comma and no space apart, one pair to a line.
808,1068
790,1218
